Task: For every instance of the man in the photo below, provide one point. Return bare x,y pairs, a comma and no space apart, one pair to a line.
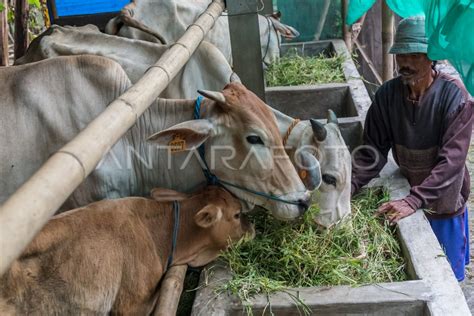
425,117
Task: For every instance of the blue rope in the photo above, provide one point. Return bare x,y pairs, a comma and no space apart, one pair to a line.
197,107
212,179
174,240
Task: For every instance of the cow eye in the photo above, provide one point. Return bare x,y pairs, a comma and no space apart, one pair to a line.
328,179
253,139
237,215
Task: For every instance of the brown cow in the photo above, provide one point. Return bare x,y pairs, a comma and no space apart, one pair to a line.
109,256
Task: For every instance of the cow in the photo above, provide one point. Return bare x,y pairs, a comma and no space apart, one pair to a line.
45,104
325,142
166,21
208,69
109,256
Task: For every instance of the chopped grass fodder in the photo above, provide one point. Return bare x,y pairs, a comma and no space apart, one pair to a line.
296,70
285,255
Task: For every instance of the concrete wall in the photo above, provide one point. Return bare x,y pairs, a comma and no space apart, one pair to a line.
350,100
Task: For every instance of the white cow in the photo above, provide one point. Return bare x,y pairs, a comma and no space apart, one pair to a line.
325,142
207,68
45,104
165,21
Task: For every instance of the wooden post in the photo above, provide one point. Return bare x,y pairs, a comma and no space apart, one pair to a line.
322,20
3,34
346,33
21,27
387,41
268,7
170,291
245,42
22,217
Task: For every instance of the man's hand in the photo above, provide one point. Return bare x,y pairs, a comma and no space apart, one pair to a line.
395,210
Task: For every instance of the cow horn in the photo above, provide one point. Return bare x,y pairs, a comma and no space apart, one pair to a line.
213,95
319,130
332,118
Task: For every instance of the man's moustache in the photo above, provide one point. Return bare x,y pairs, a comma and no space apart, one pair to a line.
406,71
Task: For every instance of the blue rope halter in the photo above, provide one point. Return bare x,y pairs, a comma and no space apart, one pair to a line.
174,239
212,179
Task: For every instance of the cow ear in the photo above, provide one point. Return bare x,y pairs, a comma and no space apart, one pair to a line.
208,216
167,195
184,136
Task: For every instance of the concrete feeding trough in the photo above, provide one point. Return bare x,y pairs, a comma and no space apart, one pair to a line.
348,100
431,290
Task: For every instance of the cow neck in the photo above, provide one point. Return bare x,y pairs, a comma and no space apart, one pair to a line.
191,240
271,26
292,134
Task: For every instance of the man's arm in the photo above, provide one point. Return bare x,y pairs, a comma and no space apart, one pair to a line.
370,158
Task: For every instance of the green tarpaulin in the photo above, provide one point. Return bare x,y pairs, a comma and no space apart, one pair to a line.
449,29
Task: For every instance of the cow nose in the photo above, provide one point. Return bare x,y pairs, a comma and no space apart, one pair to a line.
304,205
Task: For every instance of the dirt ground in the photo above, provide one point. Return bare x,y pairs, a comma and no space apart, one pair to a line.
468,284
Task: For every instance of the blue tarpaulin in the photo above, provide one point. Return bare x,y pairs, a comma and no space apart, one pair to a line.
81,7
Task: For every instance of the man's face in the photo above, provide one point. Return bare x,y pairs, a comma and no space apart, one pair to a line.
413,67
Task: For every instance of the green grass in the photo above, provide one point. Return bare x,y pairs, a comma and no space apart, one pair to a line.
285,255
293,70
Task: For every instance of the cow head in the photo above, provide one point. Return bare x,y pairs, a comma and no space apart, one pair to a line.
243,147
271,32
334,194
216,218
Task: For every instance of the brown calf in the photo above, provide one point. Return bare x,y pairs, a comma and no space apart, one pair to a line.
109,256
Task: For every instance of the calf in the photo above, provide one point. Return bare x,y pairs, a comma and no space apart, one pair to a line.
109,256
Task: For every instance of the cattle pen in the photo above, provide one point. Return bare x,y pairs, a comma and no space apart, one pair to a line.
321,124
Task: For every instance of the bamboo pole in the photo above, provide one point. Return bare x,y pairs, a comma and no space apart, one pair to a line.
21,27
170,291
3,33
387,41
322,20
29,208
345,28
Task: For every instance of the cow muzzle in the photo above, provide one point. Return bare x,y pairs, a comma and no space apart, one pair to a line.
287,212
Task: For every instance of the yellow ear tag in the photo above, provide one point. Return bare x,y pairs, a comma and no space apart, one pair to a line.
177,144
303,174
